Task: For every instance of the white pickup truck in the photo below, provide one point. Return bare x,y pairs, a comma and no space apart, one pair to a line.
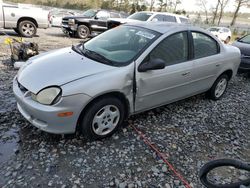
24,20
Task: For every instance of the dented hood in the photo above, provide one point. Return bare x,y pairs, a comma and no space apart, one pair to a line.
57,68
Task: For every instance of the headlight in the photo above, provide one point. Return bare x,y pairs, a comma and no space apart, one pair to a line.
71,22
48,96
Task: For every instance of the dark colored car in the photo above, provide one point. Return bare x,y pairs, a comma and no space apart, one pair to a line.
244,45
91,21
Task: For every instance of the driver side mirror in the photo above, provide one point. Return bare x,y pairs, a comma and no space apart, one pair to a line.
153,64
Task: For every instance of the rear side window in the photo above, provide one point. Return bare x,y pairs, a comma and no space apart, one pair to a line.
204,45
158,18
173,49
184,20
168,18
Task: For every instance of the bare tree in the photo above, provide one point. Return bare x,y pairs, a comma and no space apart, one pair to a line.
215,12
203,4
240,3
174,4
223,4
152,2
162,4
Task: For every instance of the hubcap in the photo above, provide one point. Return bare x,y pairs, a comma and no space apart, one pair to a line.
106,120
83,32
28,29
221,87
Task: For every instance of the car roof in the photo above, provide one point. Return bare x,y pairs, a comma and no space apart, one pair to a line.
165,13
164,27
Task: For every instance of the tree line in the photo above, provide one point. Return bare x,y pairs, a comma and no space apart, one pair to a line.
217,11
131,6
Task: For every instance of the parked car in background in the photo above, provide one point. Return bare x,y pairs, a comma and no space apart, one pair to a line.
223,33
94,86
244,45
23,20
56,18
148,16
91,21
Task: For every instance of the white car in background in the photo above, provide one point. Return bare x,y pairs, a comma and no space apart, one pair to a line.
149,16
222,33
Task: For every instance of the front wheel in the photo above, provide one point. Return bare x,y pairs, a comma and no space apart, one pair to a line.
219,87
83,31
27,28
102,118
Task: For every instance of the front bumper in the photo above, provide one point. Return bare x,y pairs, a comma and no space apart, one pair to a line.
244,65
46,117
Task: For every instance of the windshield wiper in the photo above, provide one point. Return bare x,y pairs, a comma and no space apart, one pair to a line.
96,56
77,49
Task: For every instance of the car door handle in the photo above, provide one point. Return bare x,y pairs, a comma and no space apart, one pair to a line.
217,65
185,73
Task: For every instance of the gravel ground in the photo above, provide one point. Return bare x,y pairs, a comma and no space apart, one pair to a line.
190,132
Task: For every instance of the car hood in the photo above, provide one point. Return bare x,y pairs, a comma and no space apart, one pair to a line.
58,68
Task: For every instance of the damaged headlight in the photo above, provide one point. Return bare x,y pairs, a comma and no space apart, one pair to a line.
48,96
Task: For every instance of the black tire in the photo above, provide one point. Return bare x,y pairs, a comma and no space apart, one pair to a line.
16,30
27,28
212,93
83,31
87,125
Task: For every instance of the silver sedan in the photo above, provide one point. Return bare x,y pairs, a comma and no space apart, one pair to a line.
93,87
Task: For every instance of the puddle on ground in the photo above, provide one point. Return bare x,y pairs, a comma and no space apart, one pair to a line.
7,148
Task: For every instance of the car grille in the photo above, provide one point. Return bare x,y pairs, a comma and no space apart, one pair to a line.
65,21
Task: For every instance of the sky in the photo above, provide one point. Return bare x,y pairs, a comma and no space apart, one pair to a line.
190,5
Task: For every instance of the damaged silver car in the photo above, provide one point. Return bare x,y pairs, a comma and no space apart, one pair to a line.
94,86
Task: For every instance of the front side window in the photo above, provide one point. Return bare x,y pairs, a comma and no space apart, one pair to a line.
204,45
119,46
103,15
89,13
173,49
184,20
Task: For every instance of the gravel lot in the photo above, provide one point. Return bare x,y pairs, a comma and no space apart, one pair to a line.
190,132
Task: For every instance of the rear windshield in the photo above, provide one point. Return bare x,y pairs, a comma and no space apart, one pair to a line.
142,16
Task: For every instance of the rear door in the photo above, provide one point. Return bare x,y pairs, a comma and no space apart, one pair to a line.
207,61
158,87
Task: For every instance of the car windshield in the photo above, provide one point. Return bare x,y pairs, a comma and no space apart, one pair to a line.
119,46
142,16
214,29
89,13
245,39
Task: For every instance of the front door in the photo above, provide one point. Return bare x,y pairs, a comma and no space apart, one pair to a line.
159,87
99,23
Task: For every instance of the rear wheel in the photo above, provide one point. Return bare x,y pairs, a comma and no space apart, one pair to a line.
83,31
219,87
27,28
102,118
